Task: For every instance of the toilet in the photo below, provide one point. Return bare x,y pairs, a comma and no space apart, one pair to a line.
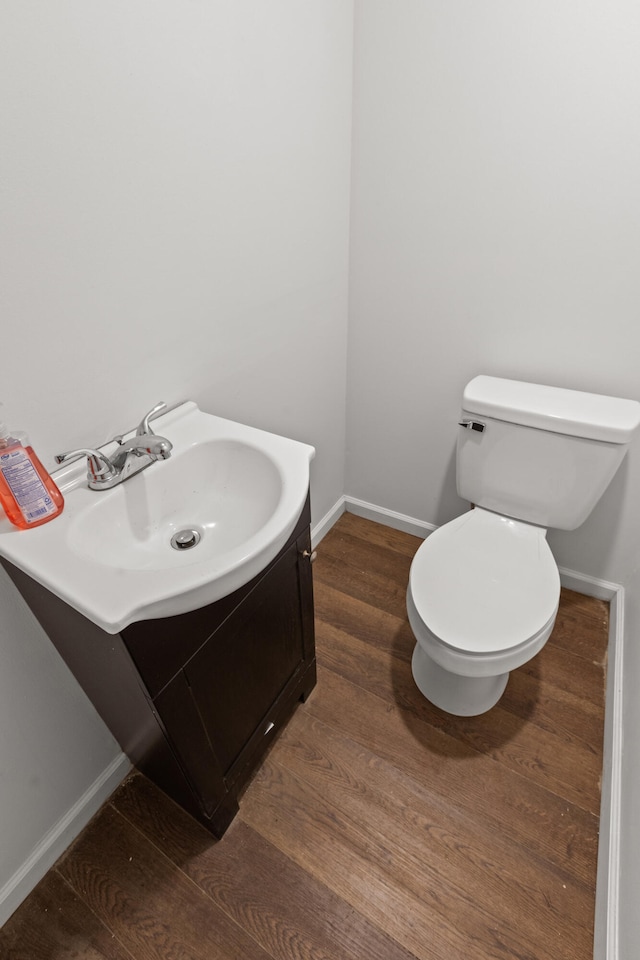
484,588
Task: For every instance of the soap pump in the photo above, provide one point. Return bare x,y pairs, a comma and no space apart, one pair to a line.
28,495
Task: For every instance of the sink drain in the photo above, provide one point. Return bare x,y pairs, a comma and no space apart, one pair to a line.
185,539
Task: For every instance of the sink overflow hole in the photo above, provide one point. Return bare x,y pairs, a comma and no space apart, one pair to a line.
184,539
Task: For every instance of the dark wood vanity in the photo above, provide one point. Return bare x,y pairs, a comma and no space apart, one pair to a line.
194,700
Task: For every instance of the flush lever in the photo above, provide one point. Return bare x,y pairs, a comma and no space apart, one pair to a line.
473,425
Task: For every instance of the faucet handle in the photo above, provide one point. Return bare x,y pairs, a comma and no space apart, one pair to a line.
143,426
99,467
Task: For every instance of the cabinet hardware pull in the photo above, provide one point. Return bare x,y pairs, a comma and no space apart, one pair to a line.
269,728
312,554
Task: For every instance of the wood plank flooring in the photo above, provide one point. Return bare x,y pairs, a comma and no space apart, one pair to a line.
378,827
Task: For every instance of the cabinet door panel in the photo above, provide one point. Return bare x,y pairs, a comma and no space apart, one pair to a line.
239,673
160,648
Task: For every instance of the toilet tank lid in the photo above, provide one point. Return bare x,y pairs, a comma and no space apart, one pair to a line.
557,409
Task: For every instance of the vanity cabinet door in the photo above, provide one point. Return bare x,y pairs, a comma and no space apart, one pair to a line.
252,660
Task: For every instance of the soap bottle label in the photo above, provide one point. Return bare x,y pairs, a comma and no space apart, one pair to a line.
26,486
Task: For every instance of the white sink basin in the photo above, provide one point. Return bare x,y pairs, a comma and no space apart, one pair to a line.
110,555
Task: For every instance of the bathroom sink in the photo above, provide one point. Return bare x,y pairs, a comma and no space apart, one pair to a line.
183,533
225,491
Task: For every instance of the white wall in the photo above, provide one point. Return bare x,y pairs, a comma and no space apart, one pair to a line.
496,229
174,225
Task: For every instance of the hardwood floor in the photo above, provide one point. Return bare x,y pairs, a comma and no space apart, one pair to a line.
378,827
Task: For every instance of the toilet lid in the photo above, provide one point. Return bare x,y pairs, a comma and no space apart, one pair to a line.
484,583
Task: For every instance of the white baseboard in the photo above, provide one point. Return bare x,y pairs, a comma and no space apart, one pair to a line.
390,518
332,516
57,839
607,916
607,892
590,586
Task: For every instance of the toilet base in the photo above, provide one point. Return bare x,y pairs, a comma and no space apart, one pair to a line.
461,696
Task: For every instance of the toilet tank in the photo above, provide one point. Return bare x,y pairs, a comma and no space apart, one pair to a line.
540,454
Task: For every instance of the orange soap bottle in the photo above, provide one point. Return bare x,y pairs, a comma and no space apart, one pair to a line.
28,495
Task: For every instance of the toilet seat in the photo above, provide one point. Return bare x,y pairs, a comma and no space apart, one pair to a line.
484,585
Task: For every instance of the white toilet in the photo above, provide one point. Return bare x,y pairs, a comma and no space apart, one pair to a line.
484,588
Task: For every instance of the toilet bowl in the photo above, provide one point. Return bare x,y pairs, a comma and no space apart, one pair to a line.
482,600
484,588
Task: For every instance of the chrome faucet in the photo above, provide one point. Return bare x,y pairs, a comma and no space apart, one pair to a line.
131,457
